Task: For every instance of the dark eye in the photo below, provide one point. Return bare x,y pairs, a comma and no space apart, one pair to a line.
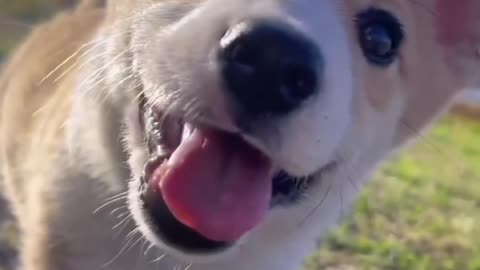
380,36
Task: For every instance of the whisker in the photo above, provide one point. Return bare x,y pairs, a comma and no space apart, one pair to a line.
71,57
342,206
108,203
345,166
125,219
122,215
125,225
159,258
96,44
96,73
125,247
117,195
322,200
149,248
118,209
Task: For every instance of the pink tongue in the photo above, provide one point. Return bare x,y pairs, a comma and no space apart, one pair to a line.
216,184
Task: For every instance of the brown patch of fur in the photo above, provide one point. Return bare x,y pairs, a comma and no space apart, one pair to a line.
34,109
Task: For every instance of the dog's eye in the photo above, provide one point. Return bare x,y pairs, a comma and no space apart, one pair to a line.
380,35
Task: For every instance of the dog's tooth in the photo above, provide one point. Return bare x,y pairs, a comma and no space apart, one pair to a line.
155,114
149,112
187,131
151,120
161,151
150,167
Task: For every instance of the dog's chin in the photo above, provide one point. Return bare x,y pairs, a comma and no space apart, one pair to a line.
173,238
168,220
160,227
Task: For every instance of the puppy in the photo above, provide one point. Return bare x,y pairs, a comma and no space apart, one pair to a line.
216,134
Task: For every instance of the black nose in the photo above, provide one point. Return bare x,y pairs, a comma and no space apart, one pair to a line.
268,67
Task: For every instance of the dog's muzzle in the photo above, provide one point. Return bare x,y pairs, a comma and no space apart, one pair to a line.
268,67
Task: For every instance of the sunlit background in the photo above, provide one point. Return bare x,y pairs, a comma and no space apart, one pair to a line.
422,211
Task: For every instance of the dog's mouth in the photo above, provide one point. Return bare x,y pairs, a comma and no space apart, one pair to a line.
204,189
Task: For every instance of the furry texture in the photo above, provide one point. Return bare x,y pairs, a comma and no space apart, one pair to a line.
71,146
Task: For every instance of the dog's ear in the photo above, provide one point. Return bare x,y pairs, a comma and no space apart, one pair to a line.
458,30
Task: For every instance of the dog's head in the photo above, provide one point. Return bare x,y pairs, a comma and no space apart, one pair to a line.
249,117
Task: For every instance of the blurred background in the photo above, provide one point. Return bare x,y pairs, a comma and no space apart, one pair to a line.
422,210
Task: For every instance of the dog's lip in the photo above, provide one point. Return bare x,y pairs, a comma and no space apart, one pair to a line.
163,133
161,139
162,143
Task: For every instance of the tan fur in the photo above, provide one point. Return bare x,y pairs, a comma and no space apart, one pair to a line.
37,89
34,111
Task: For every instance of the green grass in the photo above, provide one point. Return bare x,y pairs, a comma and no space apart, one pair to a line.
422,211
17,15
30,10
5,47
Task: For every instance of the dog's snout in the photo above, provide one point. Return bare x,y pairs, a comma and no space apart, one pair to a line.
269,67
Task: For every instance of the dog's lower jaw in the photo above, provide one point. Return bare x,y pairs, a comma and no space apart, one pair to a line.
260,251
275,244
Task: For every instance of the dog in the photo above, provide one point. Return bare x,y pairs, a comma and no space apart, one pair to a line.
216,134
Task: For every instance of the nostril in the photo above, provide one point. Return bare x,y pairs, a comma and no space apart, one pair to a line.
242,54
269,67
299,82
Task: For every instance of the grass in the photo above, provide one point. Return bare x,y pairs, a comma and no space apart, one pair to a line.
5,47
17,15
11,33
420,212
